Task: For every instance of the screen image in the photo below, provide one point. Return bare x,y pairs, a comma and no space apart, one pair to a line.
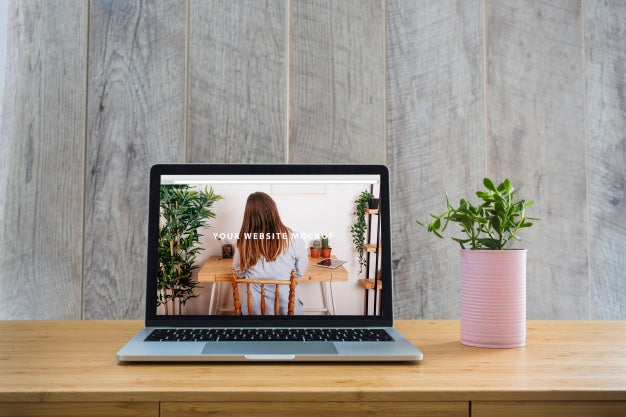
249,244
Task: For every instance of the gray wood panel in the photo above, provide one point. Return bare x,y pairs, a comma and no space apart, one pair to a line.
436,142
237,81
41,160
536,137
136,117
337,81
4,17
605,54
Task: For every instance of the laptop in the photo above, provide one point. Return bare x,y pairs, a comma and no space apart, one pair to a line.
231,272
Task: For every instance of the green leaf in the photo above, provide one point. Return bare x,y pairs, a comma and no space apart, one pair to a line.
499,206
460,240
483,195
495,223
490,243
489,184
507,185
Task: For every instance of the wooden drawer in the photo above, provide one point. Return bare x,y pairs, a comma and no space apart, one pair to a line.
315,409
552,409
80,409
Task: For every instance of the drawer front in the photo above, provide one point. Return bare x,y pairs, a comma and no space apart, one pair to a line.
80,409
552,409
315,409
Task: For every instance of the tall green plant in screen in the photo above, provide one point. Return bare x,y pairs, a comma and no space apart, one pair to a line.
183,211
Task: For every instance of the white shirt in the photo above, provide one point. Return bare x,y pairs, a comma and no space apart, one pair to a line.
295,257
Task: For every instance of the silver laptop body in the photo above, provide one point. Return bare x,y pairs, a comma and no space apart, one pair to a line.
209,330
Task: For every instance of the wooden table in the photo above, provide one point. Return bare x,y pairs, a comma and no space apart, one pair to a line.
69,368
217,269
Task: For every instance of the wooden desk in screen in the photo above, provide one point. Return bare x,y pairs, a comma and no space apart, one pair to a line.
217,270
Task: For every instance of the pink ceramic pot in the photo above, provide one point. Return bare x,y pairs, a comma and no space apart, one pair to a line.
493,298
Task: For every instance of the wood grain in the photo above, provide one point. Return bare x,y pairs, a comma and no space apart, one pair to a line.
552,409
315,409
605,55
535,137
337,82
41,160
237,81
4,16
73,409
136,118
436,142
74,361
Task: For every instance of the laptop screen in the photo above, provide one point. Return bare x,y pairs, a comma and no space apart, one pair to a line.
259,245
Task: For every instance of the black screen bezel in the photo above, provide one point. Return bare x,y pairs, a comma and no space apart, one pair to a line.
154,320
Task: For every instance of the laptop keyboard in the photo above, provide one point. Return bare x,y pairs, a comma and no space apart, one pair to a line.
269,335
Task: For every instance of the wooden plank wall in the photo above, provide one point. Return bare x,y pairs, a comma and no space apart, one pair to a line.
605,61
443,92
337,81
42,160
436,141
237,90
135,118
536,137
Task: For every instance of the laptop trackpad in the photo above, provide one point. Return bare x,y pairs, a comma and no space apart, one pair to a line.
269,348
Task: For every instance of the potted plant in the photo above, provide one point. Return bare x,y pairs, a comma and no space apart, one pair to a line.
227,249
326,250
493,279
315,249
183,211
359,228
373,203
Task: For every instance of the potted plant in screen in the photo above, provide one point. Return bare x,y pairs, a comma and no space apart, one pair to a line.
315,249
326,250
373,202
493,279
183,211
359,228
